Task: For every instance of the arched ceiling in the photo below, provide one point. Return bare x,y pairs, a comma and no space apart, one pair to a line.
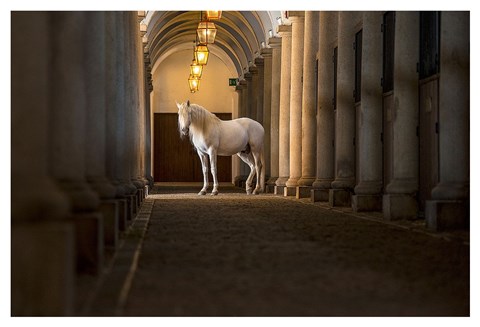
237,43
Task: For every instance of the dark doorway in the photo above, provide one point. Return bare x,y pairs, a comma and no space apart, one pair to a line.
175,159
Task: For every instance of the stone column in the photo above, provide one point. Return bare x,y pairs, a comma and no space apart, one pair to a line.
96,123
298,26
275,43
325,116
248,94
123,160
449,207
309,105
133,106
113,92
238,172
399,201
148,113
67,128
285,32
245,84
259,63
345,114
42,236
368,190
267,108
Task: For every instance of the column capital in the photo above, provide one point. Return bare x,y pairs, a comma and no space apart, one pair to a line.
253,70
284,30
258,62
266,53
292,15
248,75
275,42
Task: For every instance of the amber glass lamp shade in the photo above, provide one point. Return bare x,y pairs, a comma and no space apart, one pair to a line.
201,54
196,69
193,83
206,32
214,14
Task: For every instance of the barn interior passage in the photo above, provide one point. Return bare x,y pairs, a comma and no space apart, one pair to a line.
237,255
363,111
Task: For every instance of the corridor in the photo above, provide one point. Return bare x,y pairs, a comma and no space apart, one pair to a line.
239,255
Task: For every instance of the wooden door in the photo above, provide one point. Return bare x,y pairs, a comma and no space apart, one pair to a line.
175,159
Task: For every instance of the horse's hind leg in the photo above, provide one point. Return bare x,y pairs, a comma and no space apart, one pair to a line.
213,168
248,159
258,168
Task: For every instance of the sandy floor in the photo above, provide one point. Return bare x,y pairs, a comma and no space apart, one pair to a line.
239,255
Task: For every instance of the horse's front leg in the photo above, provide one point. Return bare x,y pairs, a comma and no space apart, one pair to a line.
213,167
204,160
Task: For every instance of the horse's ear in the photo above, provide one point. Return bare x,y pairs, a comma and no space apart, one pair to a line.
188,103
178,105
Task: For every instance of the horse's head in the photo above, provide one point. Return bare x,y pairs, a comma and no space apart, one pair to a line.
184,118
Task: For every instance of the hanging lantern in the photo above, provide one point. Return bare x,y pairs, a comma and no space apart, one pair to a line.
193,83
196,69
201,54
206,32
214,14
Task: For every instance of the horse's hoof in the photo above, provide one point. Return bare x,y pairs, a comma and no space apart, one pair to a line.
202,193
249,192
214,193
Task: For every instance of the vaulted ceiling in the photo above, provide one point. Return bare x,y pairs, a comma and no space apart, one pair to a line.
238,41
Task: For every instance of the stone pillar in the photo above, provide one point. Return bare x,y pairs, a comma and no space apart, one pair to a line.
259,63
325,115
345,114
449,207
42,236
298,26
369,182
238,169
285,32
114,78
133,106
275,43
253,91
67,127
122,116
95,125
148,121
248,94
309,105
245,84
399,201
267,106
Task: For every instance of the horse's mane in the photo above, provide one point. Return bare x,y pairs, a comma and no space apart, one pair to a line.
202,120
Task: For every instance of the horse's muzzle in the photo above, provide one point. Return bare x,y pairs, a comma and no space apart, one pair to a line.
185,131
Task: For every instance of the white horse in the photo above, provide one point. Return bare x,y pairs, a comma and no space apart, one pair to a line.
212,136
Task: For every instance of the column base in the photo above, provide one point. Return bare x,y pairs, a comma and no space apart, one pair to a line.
366,203
399,206
122,214
290,191
269,188
89,242
110,213
339,198
303,192
319,195
43,269
279,190
446,214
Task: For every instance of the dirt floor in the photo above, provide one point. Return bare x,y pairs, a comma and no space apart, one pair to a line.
267,255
